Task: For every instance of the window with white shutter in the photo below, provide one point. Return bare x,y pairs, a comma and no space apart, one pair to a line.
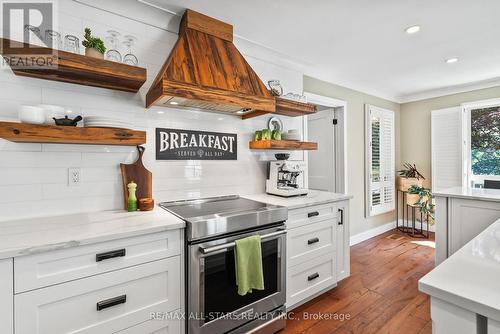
447,146
380,160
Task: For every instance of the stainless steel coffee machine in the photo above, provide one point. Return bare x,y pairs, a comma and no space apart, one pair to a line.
286,178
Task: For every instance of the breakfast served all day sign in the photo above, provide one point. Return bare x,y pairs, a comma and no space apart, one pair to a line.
179,144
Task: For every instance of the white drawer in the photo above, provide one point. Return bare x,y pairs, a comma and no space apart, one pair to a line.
155,327
310,278
73,307
310,241
49,268
311,214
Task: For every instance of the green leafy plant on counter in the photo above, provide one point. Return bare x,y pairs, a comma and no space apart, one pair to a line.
424,202
92,42
410,172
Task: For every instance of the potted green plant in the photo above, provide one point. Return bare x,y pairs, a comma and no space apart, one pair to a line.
409,176
422,198
94,46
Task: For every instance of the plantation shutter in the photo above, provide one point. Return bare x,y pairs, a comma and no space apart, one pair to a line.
447,146
380,160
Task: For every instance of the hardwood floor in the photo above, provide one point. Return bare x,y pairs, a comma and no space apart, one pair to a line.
380,296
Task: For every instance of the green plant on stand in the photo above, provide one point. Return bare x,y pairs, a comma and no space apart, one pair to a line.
424,202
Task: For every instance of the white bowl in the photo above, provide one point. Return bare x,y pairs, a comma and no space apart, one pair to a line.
51,112
31,115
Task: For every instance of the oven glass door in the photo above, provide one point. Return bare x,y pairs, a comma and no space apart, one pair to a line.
219,280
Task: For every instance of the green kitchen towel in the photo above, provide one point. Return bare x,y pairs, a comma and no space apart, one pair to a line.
248,261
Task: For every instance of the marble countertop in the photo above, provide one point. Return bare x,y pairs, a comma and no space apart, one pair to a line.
29,236
470,278
41,234
314,197
470,193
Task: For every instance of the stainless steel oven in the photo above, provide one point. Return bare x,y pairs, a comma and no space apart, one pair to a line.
214,304
212,301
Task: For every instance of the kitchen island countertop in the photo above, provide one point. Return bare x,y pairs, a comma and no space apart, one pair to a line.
469,278
35,235
470,193
314,197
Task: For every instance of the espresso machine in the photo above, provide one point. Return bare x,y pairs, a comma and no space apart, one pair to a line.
286,178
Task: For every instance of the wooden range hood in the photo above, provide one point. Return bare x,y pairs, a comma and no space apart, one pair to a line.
205,71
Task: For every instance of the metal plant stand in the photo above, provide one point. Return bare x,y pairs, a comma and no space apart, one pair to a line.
409,222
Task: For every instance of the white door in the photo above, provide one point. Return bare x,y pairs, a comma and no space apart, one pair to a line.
320,129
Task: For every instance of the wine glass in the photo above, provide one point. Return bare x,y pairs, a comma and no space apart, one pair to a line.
129,58
113,54
72,44
53,39
32,32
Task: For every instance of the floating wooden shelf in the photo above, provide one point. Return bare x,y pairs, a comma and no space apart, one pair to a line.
52,134
282,145
293,108
70,67
286,107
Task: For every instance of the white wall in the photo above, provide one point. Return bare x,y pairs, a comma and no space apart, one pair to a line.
33,177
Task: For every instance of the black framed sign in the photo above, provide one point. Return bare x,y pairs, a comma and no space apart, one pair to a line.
178,144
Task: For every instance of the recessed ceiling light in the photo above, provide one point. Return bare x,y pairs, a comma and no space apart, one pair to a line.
174,103
240,112
161,112
451,60
412,29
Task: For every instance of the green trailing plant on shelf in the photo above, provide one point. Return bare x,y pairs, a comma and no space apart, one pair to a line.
92,42
424,202
410,172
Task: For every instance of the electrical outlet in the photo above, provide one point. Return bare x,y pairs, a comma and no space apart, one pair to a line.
74,176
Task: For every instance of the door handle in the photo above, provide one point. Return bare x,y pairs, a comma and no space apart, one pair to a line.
312,277
312,241
109,255
312,214
341,222
104,304
207,250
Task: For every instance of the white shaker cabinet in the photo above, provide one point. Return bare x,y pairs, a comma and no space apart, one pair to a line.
343,241
459,220
451,319
6,297
317,250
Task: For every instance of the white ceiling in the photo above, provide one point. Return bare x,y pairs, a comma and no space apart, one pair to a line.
362,44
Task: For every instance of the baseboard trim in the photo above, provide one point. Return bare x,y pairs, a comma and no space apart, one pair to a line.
360,237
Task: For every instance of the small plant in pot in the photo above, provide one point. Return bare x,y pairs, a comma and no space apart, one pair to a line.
94,46
409,176
422,198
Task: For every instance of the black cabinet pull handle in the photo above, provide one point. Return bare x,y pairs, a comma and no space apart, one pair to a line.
109,255
312,214
341,222
313,276
312,241
111,302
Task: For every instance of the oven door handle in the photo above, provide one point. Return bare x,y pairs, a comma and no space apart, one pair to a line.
207,250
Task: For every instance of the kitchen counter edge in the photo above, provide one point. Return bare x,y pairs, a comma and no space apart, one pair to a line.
43,234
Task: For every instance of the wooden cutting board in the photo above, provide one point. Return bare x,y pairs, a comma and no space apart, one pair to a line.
138,173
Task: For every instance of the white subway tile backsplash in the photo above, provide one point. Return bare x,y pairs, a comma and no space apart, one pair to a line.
20,193
39,159
34,177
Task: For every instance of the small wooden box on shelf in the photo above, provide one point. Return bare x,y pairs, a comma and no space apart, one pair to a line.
282,145
52,134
